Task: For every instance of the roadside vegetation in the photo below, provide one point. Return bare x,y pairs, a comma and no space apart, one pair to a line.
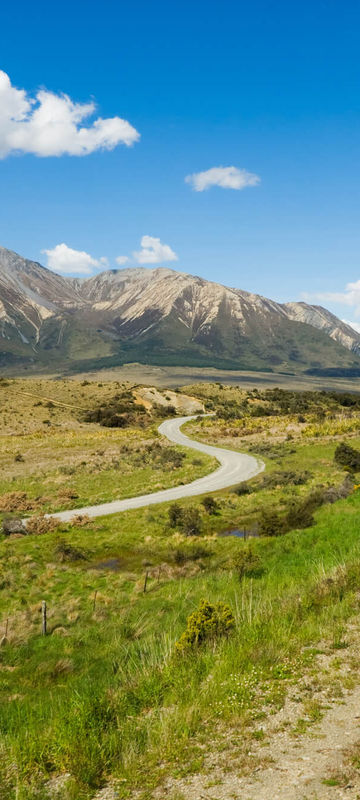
162,632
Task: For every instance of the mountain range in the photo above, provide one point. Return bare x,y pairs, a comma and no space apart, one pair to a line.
160,316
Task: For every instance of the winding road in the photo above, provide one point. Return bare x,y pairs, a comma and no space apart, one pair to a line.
234,468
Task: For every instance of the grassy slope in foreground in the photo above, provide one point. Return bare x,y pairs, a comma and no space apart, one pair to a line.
107,696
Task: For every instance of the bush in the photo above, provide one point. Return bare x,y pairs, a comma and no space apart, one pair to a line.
243,489
64,551
346,456
41,524
175,514
194,552
164,411
119,412
247,563
210,505
16,501
300,513
271,523
171,458
191,522
66,493
187,519
284,478
210,622
335,493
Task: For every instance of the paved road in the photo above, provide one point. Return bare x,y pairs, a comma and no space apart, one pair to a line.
234,468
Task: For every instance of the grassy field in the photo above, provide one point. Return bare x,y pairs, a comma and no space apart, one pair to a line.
105,696
59,461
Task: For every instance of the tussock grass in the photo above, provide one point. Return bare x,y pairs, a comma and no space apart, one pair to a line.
111,695
68,463
105,693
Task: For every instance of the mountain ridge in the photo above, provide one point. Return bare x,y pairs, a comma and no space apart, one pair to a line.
160,315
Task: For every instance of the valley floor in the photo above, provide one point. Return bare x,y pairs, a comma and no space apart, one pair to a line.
172,377
105,705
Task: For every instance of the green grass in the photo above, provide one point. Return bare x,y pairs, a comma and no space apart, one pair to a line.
104,694
110,694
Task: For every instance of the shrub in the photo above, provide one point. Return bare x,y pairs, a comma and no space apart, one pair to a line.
16,501
41,524
284,478
191,522
210,505
210,622
164,411
243,489
80,520
66,493
271,523
171,458
346,456
300,513
175,514
247,563
119,412
65,551
335,493
187,519
19,457
67,470
194,552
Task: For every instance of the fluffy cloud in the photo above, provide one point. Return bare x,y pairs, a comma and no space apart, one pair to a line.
121,260
67,261
53,125
153,251
349,297
226,177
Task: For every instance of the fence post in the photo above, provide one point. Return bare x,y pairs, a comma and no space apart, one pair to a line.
146,580
43,614
94,603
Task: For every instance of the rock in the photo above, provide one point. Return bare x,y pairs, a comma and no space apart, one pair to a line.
13,525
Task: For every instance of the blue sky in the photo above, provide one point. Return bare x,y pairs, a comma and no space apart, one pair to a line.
271,88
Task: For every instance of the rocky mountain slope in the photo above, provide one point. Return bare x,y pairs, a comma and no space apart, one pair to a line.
160,316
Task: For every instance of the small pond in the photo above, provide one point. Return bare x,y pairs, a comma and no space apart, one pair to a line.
113,564
240,534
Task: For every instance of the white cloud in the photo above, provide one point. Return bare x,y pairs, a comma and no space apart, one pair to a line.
355,325
53,125
121,260
154,252
67,261
349,297
226,177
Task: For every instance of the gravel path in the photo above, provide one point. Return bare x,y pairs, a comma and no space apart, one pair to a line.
234,468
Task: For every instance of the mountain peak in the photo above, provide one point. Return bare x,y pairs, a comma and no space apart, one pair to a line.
160,315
